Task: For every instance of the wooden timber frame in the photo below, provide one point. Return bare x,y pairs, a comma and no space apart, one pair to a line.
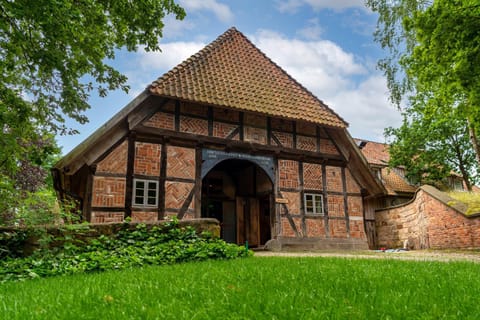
75,174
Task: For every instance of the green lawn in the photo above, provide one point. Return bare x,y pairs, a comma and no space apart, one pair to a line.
255,288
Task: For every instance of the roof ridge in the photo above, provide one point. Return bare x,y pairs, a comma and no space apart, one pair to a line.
172,83
292,78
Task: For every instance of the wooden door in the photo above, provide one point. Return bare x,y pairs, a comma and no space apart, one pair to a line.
248,221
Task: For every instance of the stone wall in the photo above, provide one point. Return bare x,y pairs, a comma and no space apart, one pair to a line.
428,221
87,233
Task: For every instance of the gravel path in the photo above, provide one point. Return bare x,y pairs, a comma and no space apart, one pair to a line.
417,255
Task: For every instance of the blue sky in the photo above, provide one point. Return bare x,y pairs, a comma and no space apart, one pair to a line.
326,45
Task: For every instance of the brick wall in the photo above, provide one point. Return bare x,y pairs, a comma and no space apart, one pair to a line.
257,135
286,139
161,120
312,176
288,174
108,192
327,146
334,179
223,130
116,161
306,143
147,158
427,222
180,165
193,125
106,217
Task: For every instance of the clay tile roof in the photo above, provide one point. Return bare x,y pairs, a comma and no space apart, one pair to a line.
375,152
232,72
394,183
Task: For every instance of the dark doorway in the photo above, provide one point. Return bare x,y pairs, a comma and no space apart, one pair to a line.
239,194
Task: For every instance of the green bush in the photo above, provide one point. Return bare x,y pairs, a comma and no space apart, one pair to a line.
166,244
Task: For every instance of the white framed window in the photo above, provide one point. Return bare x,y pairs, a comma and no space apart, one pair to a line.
145,193
313,203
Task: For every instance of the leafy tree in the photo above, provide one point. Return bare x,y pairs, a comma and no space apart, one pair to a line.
433,60
430,147
53,56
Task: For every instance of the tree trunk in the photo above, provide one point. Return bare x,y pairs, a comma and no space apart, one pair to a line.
474,140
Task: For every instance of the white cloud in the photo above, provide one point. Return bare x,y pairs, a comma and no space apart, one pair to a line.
312,31
367,109
337,5
318,65
354,91
351,88
222,11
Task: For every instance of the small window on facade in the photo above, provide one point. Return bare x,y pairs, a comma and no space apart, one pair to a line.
145,193
313,203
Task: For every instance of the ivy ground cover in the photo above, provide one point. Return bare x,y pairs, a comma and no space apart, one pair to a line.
255,288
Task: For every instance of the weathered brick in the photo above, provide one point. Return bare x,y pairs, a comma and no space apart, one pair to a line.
286,139
193,125
312,176
293,204
288,174
334,179
141,216
106,217
147,158
315,227
161,120
336,206
223,130
327,146
116,161
338,228
176,193
181,162
108,192
256,135
352,185
306,143
355,206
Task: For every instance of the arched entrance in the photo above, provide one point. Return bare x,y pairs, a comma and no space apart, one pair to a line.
239,194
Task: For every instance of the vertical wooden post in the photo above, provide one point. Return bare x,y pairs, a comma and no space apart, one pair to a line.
294,134
269,131
345,201
198,182
325,201
210,121
161,182
129,176
318,137
241,126
302,195
177,115
87,198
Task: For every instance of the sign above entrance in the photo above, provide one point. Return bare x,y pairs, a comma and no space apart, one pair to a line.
213,157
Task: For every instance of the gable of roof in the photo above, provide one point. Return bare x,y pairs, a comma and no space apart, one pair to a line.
394,183
375,152
232,72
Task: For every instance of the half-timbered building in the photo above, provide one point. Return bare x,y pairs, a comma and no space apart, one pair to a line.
227,134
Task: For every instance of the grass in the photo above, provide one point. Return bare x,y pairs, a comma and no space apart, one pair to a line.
255,288
471,199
